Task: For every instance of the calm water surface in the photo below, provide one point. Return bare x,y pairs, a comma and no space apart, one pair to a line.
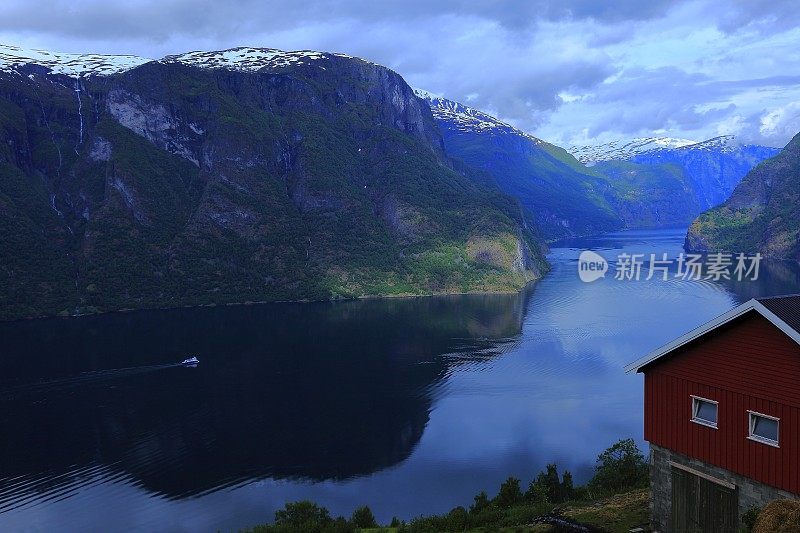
409,406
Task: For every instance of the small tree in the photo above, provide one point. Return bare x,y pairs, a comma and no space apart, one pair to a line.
549,483
481,503
303,516
536,493
457,519
621,467
363,518
510,494
567,489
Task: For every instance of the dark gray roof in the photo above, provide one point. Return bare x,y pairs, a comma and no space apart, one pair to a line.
787,308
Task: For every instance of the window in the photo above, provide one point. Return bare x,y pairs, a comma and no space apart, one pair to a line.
763,428
704,411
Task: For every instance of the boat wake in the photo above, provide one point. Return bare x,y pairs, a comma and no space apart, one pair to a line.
15,390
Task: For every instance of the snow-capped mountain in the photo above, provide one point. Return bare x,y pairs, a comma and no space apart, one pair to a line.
625,149
245,58
14,57
466,119
222,178
631,149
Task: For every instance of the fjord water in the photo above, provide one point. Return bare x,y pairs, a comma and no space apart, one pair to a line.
408,405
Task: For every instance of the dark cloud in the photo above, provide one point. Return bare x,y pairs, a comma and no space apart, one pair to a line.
161,19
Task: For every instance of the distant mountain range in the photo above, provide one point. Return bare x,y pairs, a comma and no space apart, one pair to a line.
625,150
762,214
241,175
645,182
713,167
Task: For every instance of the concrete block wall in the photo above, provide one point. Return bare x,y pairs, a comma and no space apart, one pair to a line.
750,493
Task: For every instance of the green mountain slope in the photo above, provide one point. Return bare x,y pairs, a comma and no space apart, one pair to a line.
762,214
191,181
565,197
649,195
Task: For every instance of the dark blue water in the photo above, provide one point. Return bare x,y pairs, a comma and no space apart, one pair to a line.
408,405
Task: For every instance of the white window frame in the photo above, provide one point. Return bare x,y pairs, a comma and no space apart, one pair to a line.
701,421
751,415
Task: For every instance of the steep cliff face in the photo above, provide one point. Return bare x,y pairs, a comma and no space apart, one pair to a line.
243,175
761,215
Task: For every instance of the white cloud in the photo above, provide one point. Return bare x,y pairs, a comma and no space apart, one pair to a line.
781,122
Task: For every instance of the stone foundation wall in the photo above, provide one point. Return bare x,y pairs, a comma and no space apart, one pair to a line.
750,493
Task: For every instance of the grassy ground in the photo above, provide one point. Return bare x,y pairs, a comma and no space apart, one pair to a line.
616,514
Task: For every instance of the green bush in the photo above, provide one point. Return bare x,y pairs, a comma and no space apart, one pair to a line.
509,495
306,517
481,503
363,518
547,487
620,468
750,517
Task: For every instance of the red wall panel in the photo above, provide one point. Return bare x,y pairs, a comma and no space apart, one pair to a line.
746,365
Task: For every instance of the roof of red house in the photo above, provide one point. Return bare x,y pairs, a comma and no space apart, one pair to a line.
787,308
782,311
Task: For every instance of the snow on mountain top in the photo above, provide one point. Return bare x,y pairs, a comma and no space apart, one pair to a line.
466,119
12,57
426,95
626,149
723,142
247,58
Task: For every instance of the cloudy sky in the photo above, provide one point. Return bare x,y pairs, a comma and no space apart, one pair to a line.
569,71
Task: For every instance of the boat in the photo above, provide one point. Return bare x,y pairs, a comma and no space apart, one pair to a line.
192,361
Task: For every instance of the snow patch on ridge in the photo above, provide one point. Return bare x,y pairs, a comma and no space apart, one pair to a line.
13,57
466,119
245,59
626,150
249,59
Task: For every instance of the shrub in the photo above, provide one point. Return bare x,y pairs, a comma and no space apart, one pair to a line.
750,516
567,489
363,518
481,503
306,517
536,493
509,495
302,514
619,468
548,487
457,519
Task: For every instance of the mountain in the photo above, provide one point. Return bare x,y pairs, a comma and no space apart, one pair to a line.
241,175
713,167
555,189
564,196
762,214
625,150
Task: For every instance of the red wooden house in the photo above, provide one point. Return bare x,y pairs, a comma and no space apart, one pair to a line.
722,416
